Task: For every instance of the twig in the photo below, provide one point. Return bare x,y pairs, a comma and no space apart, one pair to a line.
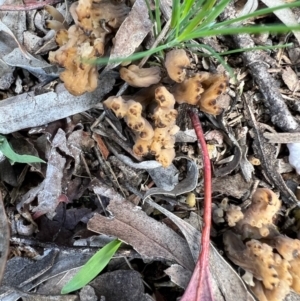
28,5
199,287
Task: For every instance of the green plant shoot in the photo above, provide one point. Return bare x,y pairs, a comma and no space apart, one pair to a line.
9,153
196,19
92,268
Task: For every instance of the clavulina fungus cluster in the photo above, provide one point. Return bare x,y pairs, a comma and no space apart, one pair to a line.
270,257
157,137
85,41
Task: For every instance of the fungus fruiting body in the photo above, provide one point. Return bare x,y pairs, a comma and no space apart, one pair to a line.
176,62
158,140
140,77
273,259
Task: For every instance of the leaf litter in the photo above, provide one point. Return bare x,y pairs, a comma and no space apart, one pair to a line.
83,188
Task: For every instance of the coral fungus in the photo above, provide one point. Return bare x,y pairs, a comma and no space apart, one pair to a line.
140,77
274,262
84,41
159,141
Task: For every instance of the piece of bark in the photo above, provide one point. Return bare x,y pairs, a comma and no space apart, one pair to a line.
282,137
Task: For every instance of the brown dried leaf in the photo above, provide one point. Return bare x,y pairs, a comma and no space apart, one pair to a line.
290,78
102,147
234,186
225,282
131,33
148,237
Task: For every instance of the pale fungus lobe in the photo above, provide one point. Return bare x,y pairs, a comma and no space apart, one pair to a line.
140,77
289,249
164,114
255,257
190,90
202,89
214,85
78,77
176,62
233,215
259,216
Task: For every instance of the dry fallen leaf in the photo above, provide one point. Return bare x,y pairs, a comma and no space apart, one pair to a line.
148,237
226,283
285,15
29,110
131,33
290,78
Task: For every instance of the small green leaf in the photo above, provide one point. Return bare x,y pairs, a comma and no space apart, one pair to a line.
92,268
8,152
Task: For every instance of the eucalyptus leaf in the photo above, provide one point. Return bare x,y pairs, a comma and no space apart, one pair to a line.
92,268
9,153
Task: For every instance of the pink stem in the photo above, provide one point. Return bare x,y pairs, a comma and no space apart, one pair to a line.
199,288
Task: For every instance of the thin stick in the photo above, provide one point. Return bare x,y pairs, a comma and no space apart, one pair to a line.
199,287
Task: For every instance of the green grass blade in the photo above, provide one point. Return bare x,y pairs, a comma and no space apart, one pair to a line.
239,30
92,268
259,12
175,13
215,54
157,17
256,48
9,153
215,12
133,57
187,5
197,19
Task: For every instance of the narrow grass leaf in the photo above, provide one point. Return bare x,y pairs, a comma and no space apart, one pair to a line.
256,48
92,268
187,5
259,12
216,55
239,30
175,13
9,153
215,12
204,11
157,17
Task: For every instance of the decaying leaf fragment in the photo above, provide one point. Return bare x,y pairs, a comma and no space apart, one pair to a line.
148,237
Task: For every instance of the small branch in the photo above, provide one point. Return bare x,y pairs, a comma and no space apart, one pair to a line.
199,288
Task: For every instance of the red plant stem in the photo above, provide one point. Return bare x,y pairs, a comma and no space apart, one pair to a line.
29,5
199,286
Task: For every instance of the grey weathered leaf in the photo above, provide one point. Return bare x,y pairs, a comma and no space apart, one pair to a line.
131,33
164,178
186,185
285,15
38,67
30,110
48,196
